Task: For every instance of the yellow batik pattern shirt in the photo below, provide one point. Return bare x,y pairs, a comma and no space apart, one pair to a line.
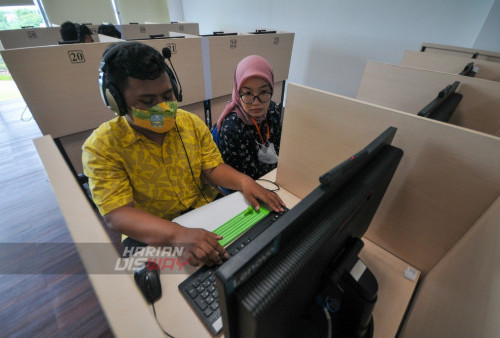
124,166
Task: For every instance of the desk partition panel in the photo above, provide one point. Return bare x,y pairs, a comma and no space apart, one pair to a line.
447,178
30,37
462,51
143,31
226,51
410,89
454,64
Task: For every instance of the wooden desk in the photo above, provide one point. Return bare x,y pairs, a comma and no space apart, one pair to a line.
173,311
448,63
125,308
439,209
462,51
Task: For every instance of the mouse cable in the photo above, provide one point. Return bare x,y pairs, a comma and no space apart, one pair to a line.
269,181
157,321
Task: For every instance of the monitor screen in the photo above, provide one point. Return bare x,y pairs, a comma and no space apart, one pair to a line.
268,288
443,106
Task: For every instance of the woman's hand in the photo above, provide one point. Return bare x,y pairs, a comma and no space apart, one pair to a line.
254,193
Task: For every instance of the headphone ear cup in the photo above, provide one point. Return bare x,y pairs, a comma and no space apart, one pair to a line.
114,99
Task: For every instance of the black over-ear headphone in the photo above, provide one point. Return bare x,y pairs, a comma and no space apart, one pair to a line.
110,93
78,32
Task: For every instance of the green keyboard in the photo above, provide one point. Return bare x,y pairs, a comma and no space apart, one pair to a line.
239,224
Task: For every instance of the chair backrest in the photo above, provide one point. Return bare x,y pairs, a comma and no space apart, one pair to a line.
216,136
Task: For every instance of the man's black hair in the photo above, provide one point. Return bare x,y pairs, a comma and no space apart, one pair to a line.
132,59
110,30
71,31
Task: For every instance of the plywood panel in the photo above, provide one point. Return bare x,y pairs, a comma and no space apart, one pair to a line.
460,297
410,89
143,31
488,70
227,51
462,51
30,37
125,308
60,83
447,178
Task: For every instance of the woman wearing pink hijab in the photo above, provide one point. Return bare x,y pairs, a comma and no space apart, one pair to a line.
250,125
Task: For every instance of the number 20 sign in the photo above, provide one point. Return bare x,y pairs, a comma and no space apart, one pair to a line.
76,56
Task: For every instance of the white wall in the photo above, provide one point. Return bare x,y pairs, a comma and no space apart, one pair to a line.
89,11
335,38
149,11
488,38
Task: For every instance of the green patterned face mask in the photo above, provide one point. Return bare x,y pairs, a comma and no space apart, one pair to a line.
159,118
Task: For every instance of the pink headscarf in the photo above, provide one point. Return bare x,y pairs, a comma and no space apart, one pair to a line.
253,65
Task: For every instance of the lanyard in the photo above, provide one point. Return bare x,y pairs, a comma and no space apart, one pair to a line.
258,130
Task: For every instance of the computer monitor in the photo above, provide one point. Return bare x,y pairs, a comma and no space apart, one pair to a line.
443,106
269,287
263,31
469,70
220,33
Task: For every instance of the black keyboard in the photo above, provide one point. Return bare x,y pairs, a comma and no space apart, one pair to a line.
199,288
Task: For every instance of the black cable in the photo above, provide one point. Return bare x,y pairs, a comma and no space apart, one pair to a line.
158,322
178,81
189,163
269,181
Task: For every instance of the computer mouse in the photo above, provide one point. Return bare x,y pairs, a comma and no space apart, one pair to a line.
147,278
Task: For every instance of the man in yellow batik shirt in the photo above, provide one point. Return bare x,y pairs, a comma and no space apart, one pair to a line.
155,161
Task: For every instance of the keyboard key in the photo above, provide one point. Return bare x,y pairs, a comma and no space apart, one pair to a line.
199,288
201,303
193,293
217,325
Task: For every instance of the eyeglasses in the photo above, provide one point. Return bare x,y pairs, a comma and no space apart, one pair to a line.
249,98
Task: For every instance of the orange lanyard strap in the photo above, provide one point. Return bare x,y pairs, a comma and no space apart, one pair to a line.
258,130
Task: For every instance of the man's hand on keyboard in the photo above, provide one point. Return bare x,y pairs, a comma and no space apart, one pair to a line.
203,246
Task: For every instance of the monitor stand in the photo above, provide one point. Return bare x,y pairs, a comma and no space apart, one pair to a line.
344,306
